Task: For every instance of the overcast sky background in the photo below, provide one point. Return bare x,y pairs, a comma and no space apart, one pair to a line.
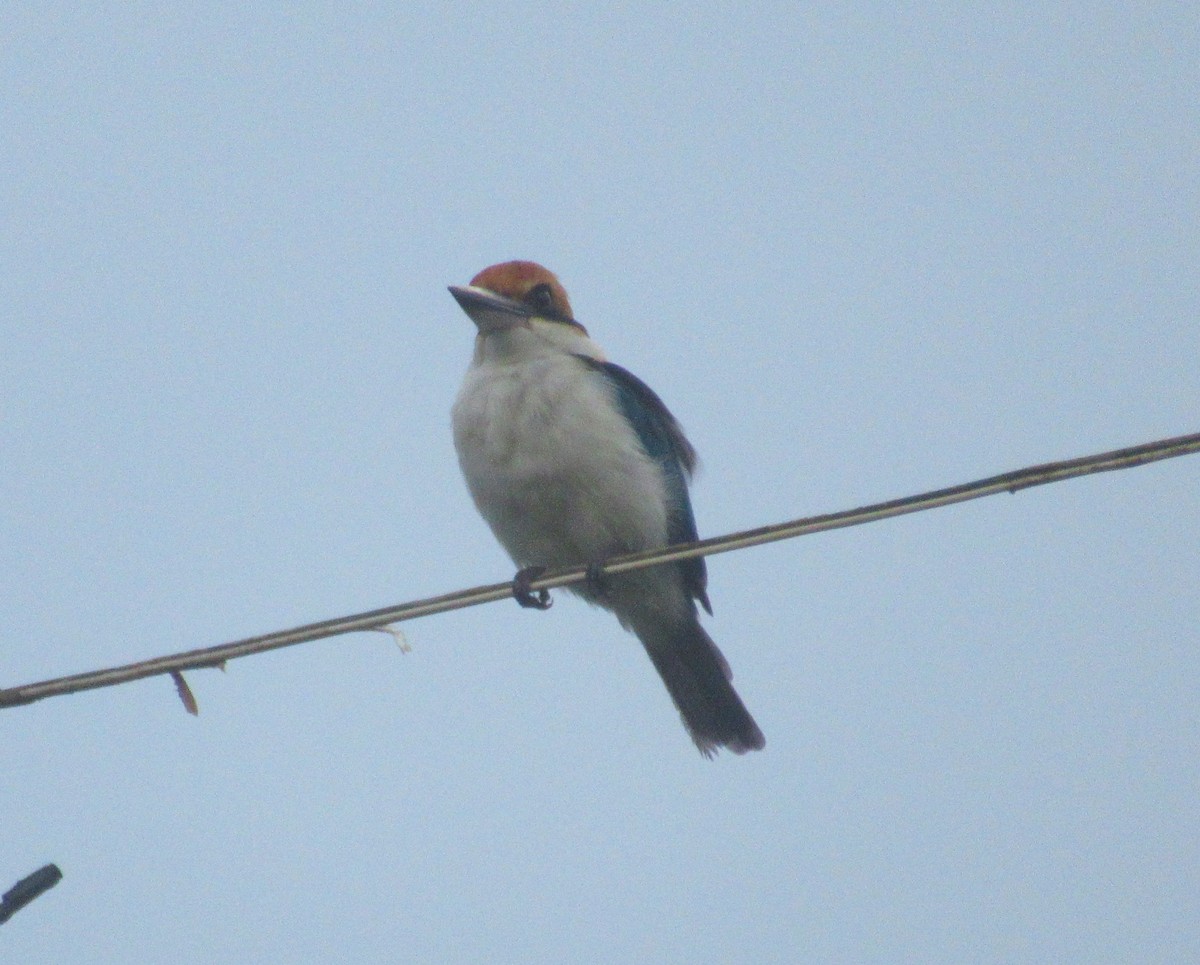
860,251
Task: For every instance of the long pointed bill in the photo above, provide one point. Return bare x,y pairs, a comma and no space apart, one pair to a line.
489,311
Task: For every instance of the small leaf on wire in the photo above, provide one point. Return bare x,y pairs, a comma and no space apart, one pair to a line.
185,694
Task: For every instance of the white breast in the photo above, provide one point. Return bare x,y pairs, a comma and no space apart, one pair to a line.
552,464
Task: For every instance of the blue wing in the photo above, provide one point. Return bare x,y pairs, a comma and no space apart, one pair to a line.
664,441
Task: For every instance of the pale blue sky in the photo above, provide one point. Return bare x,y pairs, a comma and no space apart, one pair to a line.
860,251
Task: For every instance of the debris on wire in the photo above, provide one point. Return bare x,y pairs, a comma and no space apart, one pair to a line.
398,635
185,694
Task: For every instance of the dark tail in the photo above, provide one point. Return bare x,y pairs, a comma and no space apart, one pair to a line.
698,679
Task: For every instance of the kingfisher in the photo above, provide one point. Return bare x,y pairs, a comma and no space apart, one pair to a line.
572,459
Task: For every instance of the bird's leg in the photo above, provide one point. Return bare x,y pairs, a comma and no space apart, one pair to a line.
525,595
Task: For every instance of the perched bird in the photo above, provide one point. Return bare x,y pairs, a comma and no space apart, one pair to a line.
571,460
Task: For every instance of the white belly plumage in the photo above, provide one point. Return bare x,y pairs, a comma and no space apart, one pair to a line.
553,466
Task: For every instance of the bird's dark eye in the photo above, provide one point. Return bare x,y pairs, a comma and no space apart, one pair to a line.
541,297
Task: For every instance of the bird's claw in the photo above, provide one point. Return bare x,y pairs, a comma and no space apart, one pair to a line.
597,581
525,595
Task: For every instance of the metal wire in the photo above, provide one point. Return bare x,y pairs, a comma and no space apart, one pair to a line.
375,619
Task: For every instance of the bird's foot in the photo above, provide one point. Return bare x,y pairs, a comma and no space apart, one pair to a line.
525,595
597,581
